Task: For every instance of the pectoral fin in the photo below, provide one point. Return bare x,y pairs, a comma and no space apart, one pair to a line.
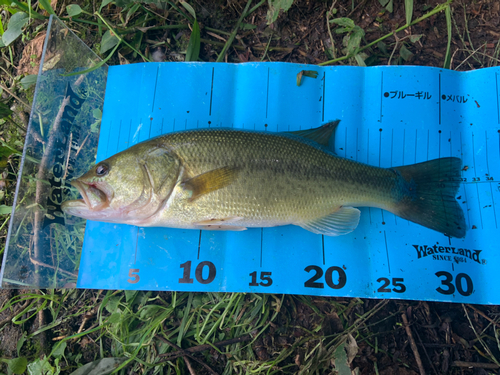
210,181
342,221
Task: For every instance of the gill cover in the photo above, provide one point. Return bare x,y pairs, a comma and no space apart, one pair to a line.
131,185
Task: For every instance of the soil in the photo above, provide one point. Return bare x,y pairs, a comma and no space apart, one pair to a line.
444,333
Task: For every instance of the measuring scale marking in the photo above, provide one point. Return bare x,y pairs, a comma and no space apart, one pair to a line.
386,256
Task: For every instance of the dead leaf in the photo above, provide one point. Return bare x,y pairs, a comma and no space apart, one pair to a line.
32,53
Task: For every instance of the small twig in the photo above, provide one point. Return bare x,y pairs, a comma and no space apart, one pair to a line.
471,55
39,263
67,156
28,107
483,315
201,348
394,49
426,354
8,319
492,366
255,7
492,357
334,54
412,344
186,356
16,124
257,48
82,325
80,148
233,34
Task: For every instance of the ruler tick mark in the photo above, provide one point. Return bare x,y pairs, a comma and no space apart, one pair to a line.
109,137
323,248
261,243
381,94
368,162
473,153
211,92
439,98
494,207
486,145
267,95
154,94
498,106
465,190
387,253
136,245
199,246
324,91
479,206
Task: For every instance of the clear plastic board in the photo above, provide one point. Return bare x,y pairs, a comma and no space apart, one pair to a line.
390,116
43,248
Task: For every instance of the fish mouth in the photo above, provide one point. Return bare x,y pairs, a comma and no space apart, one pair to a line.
94,199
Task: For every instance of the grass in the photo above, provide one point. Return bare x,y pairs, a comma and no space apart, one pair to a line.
61,330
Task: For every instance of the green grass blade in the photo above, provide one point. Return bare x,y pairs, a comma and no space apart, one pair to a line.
98,65
193,49
447,58
408,10
46,5
233,34
189,8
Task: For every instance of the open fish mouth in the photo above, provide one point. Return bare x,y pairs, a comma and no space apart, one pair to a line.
94,199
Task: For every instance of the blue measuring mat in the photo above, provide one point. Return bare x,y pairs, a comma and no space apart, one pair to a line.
390,116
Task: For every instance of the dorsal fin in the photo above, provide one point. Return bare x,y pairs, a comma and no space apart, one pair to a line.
324,135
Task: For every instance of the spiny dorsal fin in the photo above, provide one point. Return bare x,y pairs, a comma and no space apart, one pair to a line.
324,135
210,181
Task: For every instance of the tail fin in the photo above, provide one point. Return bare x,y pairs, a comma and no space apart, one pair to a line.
428,197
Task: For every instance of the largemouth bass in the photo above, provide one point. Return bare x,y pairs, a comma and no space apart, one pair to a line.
230,179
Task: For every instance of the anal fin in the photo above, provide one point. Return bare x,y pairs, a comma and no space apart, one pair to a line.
342,221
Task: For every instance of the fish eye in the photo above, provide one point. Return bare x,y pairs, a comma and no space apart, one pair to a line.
102,170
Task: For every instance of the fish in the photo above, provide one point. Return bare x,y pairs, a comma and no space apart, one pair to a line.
234,179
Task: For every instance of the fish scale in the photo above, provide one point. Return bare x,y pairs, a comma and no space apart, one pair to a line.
228,179
282,179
